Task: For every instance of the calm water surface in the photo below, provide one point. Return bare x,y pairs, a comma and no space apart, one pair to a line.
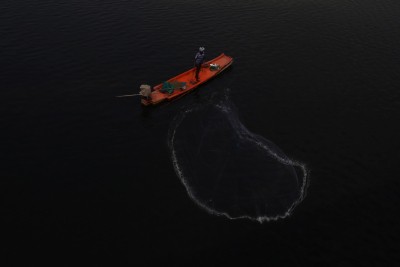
88,176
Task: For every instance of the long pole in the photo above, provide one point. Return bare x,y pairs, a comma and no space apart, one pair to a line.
127,95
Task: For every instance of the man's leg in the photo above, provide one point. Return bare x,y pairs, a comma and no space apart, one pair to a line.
197,72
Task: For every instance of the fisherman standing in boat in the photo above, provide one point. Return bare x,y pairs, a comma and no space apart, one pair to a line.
198,61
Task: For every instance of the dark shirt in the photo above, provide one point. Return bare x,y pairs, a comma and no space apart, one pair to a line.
199,58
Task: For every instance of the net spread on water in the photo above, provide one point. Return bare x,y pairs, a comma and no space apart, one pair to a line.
227,170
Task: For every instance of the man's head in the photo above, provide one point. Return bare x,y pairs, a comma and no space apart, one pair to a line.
201,49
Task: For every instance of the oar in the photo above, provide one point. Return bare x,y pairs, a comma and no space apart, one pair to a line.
127,95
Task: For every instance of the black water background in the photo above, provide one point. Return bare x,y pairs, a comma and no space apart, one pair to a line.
87,176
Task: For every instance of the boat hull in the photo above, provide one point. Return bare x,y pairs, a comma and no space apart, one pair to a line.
188,77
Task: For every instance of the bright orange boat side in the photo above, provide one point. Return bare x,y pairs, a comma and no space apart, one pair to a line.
205,74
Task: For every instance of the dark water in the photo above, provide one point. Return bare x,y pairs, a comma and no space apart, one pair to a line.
86,177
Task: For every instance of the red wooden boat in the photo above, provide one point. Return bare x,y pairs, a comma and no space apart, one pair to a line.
185,82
